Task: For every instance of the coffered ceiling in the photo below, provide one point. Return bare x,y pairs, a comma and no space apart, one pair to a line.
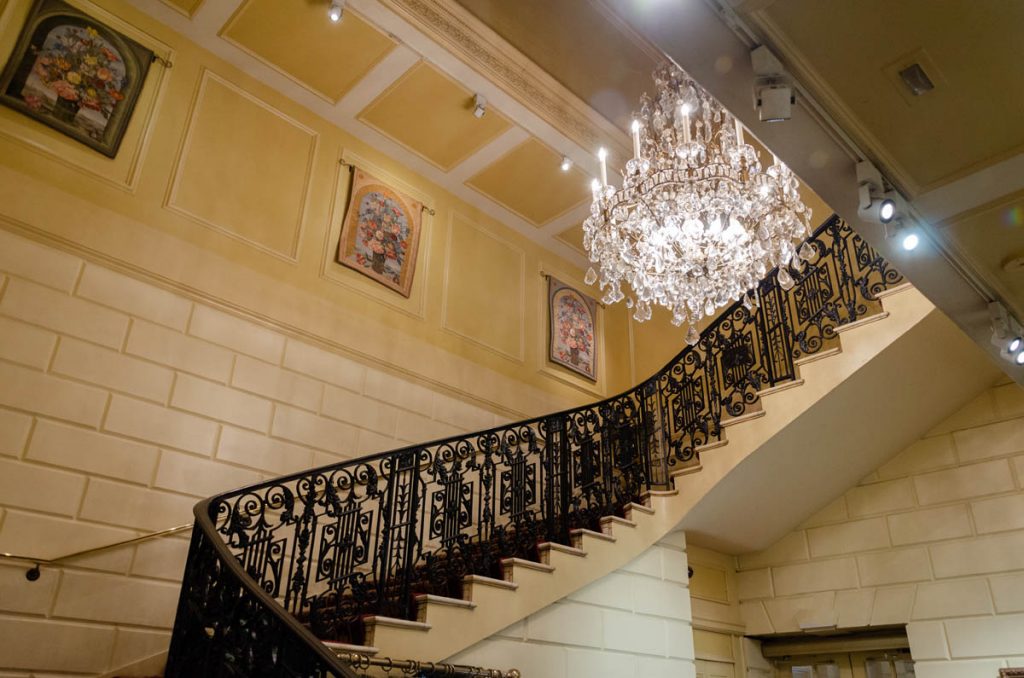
402,76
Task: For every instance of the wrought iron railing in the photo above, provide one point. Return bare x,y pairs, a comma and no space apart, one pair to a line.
278,564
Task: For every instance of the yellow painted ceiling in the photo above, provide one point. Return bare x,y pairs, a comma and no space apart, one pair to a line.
189,7
854,47
529,181
579,45
297,39
573,237
432,115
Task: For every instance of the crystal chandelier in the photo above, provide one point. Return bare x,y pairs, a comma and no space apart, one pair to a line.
698,222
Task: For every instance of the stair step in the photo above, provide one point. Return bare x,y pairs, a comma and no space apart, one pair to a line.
889,291
721,442
639,508
648,497
508,566
374,623
786,385
480,580
342,648
577,536
608,522
866,320
423,600
732,421
820,355
685,471
545,549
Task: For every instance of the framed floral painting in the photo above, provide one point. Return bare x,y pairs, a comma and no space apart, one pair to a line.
381,233
75,74
572,329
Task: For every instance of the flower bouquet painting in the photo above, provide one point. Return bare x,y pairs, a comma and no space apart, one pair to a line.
572,329
75,74
381,233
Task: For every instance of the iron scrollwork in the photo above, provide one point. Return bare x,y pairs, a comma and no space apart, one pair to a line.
329,546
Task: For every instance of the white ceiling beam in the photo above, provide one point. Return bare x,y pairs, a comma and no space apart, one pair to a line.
393,66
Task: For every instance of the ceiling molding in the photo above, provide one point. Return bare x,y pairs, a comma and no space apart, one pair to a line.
467,37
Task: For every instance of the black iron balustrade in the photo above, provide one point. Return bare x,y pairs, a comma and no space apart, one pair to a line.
317,551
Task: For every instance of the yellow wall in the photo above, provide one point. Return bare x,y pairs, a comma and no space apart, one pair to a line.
229,192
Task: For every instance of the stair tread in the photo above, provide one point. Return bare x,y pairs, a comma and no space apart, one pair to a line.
582,531
633,506
732,421
352,649
424,598
561,548
393,622
489,581
526,564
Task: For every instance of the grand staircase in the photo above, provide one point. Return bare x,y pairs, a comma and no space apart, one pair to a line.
424,551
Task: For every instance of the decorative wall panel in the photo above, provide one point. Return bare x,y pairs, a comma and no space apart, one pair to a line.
483,271
230,178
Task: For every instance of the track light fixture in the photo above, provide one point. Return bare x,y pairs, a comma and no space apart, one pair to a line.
773,87
566,163
1007,333
479,105
336,10
874,202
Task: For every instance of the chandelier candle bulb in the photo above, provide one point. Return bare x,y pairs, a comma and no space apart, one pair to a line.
636,139
602,156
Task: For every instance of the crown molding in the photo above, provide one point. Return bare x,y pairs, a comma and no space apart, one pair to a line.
461,33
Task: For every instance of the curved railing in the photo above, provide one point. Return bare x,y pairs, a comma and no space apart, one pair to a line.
277,565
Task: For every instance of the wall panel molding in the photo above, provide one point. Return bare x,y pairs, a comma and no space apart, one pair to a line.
173,200
450,324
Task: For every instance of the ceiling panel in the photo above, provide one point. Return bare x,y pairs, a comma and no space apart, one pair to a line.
528,181
974,56
573,237
187,7
598,60
432,115
298,39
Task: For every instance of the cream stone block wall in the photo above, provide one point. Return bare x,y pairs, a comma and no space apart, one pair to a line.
121,405
933,539
634,622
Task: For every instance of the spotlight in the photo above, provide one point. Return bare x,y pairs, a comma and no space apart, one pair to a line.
1007,333
874,202
910,241
566,163
479,105
336,11
887,210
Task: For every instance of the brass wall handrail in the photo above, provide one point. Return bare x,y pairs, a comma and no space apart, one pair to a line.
411,666
33,573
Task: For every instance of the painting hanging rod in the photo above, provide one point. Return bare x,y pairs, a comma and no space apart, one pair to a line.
428,210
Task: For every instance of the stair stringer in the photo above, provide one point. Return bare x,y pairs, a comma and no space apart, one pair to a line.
443,629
